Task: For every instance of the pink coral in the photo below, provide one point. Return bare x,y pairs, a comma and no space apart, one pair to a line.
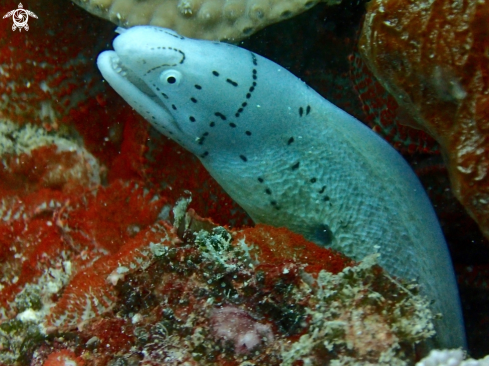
63,358
233,324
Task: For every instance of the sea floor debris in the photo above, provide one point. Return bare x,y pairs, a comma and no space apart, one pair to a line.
200,294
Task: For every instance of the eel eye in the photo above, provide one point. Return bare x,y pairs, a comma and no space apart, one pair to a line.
171,77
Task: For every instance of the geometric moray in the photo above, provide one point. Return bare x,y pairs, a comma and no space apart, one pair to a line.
288,156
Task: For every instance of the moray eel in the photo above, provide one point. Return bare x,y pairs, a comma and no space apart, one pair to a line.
288,156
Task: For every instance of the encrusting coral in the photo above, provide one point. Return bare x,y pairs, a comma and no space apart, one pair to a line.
93,274
199,294
22,149
432,57
230,20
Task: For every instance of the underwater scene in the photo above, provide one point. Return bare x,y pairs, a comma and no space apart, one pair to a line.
244,182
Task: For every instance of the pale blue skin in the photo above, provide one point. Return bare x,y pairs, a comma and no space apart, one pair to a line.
350,191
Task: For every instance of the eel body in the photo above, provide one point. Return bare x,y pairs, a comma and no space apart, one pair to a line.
288,156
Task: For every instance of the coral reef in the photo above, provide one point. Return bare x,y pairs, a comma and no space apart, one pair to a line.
59,88
209,296
49,239
209,19
55,159
431,56
58,51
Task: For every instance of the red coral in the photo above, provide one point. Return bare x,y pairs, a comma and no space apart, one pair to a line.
63,358
47,227
111,215
113,336
29,239
432,57
49,78
129,162
181,303
91,292
276,245
44,167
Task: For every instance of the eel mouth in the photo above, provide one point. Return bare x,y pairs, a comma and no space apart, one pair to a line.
131,77
136,92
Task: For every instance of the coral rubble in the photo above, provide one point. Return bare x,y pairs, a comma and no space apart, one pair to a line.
432,57
204,19
199,294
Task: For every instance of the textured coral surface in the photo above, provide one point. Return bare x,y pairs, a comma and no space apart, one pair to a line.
432,57
205,296
204,19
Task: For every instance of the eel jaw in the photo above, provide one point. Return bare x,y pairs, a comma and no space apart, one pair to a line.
135,92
